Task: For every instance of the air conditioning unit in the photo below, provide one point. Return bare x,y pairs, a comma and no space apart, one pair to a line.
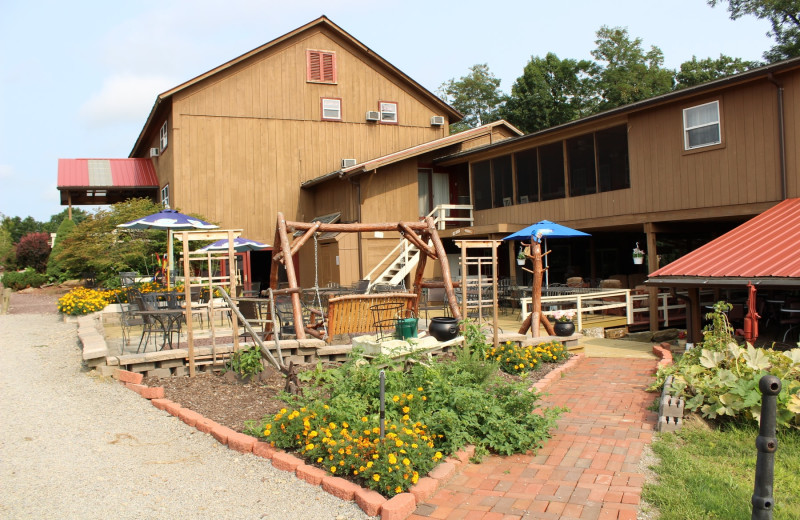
373,115
437,121
346,163
153,152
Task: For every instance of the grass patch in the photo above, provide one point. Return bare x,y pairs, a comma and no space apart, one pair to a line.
707,473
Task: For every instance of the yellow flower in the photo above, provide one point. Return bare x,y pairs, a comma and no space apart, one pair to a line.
398,489
395,398
333,469
376,477
392,458
438,455
406,409
406,462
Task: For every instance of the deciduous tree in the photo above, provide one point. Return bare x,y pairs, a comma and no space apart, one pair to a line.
476,95
695,72
551,91
628,73
783,16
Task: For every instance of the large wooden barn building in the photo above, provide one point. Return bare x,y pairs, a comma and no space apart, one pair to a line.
315,124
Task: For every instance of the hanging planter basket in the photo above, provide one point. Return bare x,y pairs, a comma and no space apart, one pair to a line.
520,261
638,259
638,254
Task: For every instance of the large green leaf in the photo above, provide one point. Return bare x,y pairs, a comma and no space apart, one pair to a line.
726,377
756,358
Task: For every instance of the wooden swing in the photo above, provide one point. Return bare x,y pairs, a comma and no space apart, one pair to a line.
418,233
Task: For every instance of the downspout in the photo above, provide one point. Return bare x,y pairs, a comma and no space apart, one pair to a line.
781,134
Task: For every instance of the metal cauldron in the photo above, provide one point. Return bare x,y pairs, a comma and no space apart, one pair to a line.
443,328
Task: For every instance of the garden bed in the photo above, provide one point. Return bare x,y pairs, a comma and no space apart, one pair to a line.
230,402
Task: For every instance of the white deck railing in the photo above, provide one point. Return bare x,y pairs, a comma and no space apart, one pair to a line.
583,303
441,214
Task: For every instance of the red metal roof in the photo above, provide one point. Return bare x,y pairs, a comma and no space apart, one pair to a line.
766,246
106,173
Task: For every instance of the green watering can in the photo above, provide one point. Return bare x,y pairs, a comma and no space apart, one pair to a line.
406,327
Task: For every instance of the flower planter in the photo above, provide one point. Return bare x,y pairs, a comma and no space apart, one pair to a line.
564,328
520,261
638,259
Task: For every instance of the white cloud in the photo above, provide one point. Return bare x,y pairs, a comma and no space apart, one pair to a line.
123,99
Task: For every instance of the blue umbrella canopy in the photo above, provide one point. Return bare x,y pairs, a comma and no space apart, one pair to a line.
547,229
239,245
167,219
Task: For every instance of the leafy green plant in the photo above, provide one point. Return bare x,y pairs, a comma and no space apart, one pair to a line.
246,362
20,280
433,409
720,378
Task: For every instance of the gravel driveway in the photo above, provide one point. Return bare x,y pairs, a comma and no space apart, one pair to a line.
78,446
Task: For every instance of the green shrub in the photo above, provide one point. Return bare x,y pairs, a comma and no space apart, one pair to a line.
720,379
55,269
246,361
435,408
23,279
33,250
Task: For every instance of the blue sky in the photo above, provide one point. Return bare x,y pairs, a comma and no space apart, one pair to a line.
78,79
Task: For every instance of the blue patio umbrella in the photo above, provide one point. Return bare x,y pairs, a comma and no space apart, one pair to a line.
169,220
239,245
547,230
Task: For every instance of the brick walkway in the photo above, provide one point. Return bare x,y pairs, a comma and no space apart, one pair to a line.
587,470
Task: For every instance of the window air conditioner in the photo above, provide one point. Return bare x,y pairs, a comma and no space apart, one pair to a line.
346,163
373,115
437,121
153,152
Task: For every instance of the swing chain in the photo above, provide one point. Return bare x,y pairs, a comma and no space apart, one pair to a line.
317,299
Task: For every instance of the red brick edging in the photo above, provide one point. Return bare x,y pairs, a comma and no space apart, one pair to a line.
371,502
663,351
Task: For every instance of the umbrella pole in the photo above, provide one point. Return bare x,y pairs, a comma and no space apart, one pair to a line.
169,256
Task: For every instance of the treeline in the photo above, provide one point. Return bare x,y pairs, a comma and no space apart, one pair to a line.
552,91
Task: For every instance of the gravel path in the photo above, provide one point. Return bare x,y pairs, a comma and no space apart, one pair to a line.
79,446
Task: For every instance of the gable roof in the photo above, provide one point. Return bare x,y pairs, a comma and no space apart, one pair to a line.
764,250
413,151
322,21
765,72
104,181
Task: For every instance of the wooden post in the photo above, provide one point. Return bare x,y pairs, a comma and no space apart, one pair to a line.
188,299
693,317
652,265
536,319
276,261
423,259
448,282
232,289
495,338
297,311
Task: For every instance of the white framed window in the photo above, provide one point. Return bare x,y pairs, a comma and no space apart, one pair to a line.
388,111
701,126
165,195
331,109
162,137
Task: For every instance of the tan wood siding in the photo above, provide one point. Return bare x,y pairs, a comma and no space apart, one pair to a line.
252,133
743,171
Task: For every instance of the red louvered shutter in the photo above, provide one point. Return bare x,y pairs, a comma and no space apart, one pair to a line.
329,67
321,66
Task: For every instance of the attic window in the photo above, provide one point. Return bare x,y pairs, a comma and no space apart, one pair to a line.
321,67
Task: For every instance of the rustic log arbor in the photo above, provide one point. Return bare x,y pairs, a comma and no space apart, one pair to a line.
535,319
419,233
